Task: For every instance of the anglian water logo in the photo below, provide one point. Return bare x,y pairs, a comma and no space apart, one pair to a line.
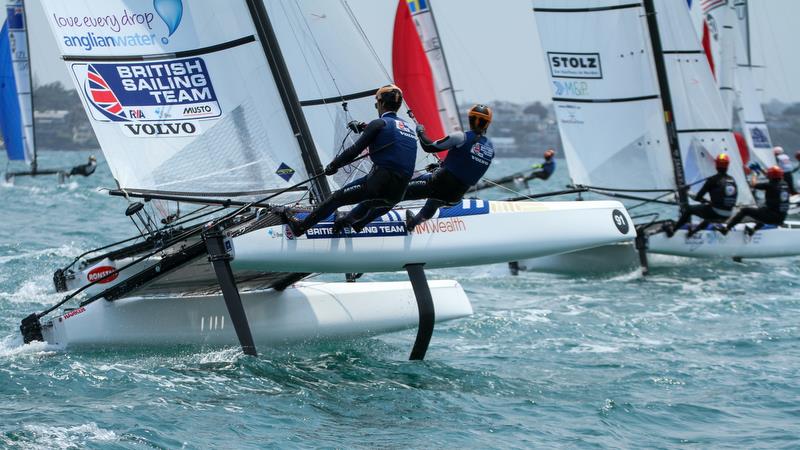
171,12
124,28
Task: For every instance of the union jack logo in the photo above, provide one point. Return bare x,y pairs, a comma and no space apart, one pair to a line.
103,97
708,5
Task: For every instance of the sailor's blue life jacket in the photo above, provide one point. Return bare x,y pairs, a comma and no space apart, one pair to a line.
469,161
395,146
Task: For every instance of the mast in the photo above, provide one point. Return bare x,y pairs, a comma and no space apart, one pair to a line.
291,102
666,101
749,45
34,163
452,90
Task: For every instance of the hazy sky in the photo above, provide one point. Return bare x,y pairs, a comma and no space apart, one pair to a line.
493,47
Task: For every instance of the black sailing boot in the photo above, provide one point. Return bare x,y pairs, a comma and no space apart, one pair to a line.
295,225
411,221
340,222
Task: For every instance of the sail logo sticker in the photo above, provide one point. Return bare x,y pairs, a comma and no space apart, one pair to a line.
152,91
760,138
121,29
571,88
417,6
171,12
99,272
15,18
575,65
285,172
164,129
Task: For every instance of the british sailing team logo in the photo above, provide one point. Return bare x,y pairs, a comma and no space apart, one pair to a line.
102,96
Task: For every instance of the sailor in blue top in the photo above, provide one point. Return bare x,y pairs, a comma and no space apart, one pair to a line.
393,150
544,170
469,156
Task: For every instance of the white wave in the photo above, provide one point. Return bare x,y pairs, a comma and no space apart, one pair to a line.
48,437
594,348
65,251
12,347
38,290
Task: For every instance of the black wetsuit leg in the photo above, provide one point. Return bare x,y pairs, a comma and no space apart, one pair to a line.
378,194
692,210
788,177
539,175
762,216
440,188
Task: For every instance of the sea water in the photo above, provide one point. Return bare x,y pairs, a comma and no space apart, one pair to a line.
700,354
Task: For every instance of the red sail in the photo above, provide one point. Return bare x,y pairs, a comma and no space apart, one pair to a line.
412,73
707,47
741,144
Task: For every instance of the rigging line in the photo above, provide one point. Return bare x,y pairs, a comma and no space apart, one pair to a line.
546,194
648,202
375,55
135,238
519,194
115,272
305,57
319,50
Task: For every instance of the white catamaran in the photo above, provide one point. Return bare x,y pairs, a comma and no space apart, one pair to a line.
16,99
16,96
639,112
223,103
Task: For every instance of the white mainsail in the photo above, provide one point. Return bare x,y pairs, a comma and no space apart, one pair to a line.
16,101
728,25
610,104
720,17
170,113
606,94
425,22
750,112
335,83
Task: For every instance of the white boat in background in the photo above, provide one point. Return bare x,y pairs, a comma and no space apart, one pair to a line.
728,29
245,110
640,115
17,125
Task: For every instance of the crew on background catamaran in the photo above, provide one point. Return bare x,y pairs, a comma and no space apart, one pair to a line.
470,155
84,169
544,170
393,148
81,169
721,188
785,163
776,194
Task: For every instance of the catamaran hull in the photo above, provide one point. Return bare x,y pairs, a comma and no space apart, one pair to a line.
768,243
307,311
474,233
599,260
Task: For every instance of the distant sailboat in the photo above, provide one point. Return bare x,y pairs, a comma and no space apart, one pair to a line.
219,105
645,116
16,94
726,27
